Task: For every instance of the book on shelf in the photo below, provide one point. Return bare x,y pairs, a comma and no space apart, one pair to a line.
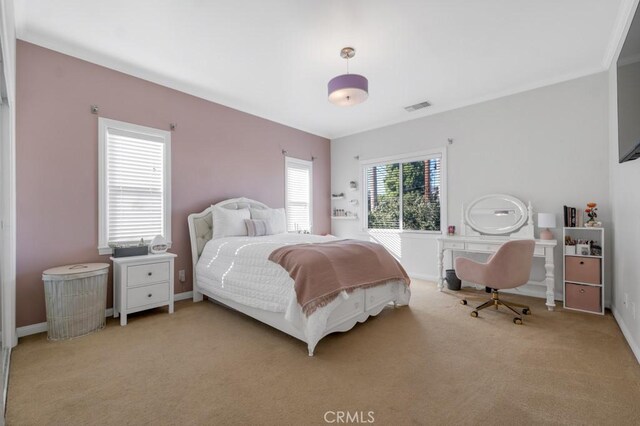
573,217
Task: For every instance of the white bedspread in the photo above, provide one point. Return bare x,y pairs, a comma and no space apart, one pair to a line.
239,269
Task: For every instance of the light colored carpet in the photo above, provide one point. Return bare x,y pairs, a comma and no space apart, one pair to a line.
430,363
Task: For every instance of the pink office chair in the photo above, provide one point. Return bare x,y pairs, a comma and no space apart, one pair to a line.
509,267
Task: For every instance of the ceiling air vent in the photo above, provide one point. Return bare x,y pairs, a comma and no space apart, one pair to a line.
416,107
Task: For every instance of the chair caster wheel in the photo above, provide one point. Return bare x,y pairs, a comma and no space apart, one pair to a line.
517,320
526,311
463,302
474,314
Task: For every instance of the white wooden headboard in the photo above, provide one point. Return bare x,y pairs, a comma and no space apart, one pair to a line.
201,226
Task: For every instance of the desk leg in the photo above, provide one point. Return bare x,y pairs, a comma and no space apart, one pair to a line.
550,279
440,266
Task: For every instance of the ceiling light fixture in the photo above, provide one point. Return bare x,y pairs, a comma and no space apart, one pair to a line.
348,89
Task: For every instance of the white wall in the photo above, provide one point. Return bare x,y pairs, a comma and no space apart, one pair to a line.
625,199
548,146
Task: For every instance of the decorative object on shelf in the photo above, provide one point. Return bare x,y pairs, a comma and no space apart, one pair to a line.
451,230
569,245
583,249
353,202
337,196
546,221
348,89
592,213
158,245
353,185
130,251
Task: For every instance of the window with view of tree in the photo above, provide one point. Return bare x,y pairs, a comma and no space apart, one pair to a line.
404,195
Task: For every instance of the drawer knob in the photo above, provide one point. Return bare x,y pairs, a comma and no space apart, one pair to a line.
149,295
150,273
582,290
581,262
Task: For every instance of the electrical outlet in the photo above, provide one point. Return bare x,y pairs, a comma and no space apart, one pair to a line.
181,276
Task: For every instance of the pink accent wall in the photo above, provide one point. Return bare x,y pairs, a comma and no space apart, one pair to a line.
216,153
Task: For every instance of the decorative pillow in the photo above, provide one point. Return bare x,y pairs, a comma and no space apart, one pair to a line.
257,227
229,223
276,218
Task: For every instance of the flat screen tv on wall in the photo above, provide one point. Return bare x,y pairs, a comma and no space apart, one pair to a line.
629,94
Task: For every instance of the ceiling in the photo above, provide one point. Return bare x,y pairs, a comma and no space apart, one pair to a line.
274,58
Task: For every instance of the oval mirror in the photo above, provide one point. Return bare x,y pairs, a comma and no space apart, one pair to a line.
496,214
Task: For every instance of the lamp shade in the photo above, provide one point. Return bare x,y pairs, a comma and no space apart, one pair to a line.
348,89
546,220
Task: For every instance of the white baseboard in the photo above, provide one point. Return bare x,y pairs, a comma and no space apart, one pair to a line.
432,278
626,333
41,327
183,296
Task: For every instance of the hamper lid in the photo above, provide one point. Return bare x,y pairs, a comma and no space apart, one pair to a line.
79,268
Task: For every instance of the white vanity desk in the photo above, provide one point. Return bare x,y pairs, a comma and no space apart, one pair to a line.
544,248
486,221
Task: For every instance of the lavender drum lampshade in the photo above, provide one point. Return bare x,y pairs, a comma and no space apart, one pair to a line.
348,89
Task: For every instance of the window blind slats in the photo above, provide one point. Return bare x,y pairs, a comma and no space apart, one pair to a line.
298,196
135,186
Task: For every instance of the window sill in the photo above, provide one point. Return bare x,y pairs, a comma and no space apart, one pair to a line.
405,234
105,251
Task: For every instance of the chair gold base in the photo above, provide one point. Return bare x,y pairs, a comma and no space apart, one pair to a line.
496,302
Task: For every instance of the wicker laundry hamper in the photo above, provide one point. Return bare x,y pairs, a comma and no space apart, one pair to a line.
76,298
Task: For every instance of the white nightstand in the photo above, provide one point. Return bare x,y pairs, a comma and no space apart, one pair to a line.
141,283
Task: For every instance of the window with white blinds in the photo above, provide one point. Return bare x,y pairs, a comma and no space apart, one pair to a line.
404,195
298,194
135,184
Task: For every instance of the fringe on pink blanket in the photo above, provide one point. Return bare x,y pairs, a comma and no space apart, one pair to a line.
321,271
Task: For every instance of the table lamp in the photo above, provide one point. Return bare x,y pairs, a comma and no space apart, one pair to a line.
546,221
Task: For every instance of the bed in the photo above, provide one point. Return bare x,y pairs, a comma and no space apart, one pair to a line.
232,271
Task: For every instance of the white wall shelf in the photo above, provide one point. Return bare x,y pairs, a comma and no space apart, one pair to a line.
344,217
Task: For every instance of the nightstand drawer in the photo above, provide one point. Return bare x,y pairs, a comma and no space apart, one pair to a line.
147,274
147,295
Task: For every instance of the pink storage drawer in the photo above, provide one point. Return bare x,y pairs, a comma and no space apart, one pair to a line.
585,297
582,269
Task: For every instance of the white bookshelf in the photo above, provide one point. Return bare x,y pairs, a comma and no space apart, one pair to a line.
578,292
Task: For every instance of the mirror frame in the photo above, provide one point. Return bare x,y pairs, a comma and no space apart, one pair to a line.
519,204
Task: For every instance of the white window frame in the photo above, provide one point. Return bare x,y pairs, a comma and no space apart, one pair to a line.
407,158
306,163
104,125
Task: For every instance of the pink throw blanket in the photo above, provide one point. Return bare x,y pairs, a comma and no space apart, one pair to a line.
321,271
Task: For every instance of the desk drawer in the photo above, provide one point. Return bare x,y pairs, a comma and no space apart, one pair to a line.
582,269
483,247
147,295
147,274
453,245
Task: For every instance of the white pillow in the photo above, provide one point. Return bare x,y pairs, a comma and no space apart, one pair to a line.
229,223
276,218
